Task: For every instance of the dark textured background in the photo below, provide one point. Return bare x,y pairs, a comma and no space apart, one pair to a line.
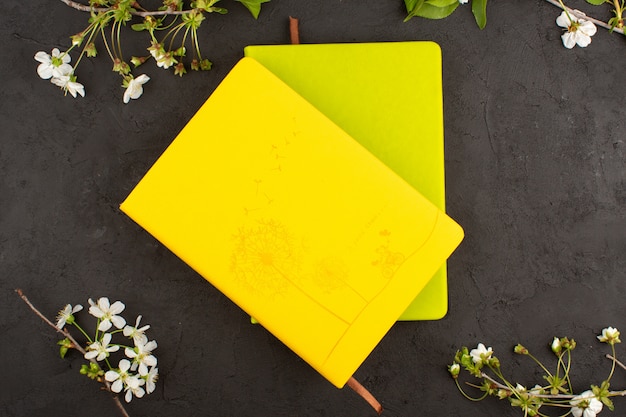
536,175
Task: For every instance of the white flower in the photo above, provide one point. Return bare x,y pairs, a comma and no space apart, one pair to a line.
53,66
119,377
122,379
579,30
150,377
142,356
556,345
463,1
133,387
135,87
585,405
166,60
137,333
537,390
481,353
67,315
101,350
66,83
609,335
107,313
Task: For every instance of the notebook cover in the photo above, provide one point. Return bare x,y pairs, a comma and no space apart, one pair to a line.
293,220
388,97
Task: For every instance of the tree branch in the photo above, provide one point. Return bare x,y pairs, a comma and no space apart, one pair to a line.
67,334
581,15
86,8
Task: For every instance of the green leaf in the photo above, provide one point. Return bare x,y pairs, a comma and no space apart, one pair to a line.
429,11
442,3
138,27
479,8
254,6
411,4
65,345
596,2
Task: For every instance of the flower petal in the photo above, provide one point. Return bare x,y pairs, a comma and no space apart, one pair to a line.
118,321
587,27
569,40
44,71
43,57
124,365
563,20
104,325
117,307
91,354
582,40
117,386
111,376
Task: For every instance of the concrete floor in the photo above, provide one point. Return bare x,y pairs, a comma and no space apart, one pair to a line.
535,165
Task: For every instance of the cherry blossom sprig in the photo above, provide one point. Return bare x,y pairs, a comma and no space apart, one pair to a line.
172,30
556,389
136,373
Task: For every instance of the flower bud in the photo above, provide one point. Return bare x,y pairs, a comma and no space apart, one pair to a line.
90,50
556,345
494,362
121,67
504,393
179,69
454,370
205,65
138,60
520,350
77,39
609,335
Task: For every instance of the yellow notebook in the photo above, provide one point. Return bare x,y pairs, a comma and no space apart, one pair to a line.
293,220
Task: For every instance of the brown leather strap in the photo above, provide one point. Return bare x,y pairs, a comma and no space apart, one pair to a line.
293,31
367,396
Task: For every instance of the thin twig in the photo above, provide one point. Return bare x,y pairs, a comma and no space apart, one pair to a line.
75,344
85,8
557,396
363,392
611,357
532,394
581,15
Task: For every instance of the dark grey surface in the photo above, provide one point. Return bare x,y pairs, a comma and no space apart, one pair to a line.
536,175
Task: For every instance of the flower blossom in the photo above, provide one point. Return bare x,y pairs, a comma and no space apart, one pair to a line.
68,83
142,356
150,377
585,405
135,87
107,313
53,66
133,387
166,60
463,1
118,377
122,379
481,353
101,350
137,333
67,315
579,29
609,335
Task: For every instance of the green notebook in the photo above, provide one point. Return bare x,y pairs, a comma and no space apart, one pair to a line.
388,97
